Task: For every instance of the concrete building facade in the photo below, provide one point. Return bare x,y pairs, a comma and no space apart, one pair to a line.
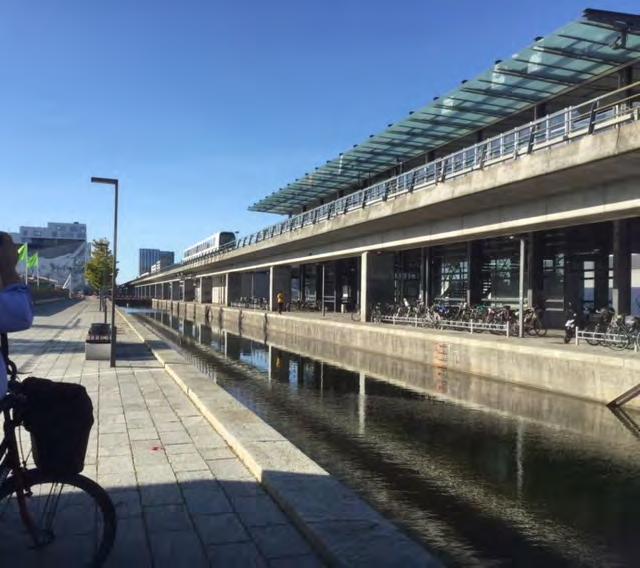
148,258
62,250
520,186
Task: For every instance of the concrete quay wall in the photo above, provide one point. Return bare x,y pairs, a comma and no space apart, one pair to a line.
599,377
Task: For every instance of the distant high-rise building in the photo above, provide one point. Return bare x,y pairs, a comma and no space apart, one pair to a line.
62,249
149,257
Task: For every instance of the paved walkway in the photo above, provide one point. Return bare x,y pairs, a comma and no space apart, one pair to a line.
182,496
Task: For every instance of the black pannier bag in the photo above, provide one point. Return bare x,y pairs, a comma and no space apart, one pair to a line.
59,417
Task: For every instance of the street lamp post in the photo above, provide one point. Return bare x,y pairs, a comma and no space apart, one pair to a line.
114,183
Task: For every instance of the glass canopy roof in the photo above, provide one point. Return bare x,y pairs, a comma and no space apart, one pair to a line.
575,55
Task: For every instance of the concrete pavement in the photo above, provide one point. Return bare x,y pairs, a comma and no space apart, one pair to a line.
183,498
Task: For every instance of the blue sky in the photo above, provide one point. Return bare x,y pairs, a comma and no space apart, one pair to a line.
202,107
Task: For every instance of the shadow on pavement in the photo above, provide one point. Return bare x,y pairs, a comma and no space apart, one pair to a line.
193,521
126,351
52,308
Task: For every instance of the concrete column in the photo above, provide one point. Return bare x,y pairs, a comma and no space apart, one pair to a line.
621,296
227,300
364,273
272,293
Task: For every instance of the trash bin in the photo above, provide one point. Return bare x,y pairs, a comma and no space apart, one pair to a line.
97,345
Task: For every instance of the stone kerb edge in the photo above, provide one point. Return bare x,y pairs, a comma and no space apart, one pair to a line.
311,530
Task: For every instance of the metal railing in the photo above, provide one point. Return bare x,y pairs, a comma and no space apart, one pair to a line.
456,325
251,304
606,338
600,113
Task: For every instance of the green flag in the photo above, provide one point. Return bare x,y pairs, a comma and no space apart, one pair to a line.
34,261
23,252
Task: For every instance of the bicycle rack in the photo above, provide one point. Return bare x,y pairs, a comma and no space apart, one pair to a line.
604,338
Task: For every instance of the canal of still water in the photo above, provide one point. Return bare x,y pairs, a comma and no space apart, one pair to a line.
481,473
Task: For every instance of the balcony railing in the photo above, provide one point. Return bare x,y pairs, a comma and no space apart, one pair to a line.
603,112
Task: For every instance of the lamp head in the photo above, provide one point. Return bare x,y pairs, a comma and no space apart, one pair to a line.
108,181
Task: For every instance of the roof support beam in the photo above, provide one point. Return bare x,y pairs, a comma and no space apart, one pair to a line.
601,43
474,111
558,68
509,95
539,77
561,52
399,144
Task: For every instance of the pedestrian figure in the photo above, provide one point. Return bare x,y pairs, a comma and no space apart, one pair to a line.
15,302
280,299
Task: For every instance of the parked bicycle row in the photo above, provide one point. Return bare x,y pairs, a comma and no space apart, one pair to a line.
603,327
462,316
251,303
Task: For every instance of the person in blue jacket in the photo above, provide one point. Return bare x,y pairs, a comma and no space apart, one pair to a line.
16,312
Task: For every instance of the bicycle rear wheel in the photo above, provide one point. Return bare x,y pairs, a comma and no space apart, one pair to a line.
593,328
73,517
618,340
539,328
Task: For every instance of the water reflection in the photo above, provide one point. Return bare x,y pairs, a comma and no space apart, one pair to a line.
482,473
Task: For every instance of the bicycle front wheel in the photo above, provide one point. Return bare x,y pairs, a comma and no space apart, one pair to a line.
73,521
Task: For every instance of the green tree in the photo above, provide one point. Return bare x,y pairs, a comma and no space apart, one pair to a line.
100,266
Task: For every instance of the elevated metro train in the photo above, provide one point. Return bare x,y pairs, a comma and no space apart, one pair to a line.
211,244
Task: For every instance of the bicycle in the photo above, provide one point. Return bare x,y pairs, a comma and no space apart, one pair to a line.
532,321
45,518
